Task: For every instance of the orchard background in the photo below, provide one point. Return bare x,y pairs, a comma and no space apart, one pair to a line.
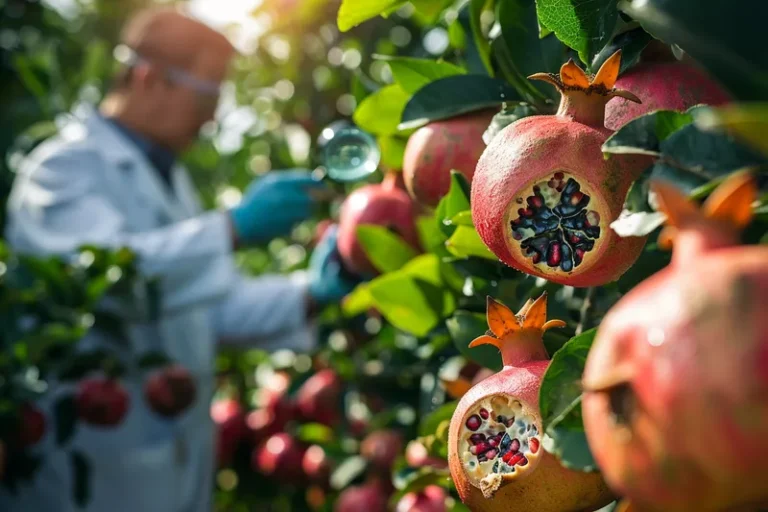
394,357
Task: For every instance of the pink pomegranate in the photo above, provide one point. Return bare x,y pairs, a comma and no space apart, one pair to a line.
369,497
430,499
316,465
318,399
494,442
676,402
170,391
417,456
381,448
229,417
439,147
384,204
662,86
101,402
280,457
543,195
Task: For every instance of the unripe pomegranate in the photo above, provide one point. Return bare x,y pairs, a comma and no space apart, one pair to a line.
101,402
417,456
543,196
430,499
318,399
381,448
494,442
170,391
229,417
316,465
663,86
368,497
280,457
676,402
384,204
31,425
439,147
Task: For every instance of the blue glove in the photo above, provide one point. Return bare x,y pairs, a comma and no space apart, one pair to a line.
328,280
273,204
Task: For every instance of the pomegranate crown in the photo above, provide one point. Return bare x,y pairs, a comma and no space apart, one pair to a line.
518,336
726,211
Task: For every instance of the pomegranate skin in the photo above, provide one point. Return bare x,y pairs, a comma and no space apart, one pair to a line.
430,499
280,457
381,204
381,448
663,86
439,147
170,391
101,402
318,398
417,456
229,417
32,425
529,151
368,497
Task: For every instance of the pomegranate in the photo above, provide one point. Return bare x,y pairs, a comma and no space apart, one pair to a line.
417,456
280,457
676,383
316,465
229,418
383,204
430,499
369,497
494,442
381,448
662,85
439,147
31,425
101,402
543,196
170,391
318,399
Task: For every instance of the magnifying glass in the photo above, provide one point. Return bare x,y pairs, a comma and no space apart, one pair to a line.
348,154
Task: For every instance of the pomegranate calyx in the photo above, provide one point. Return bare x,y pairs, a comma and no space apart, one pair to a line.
518,337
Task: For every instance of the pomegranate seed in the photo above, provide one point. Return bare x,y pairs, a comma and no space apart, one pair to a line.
536,202
493,442
534,445
553,255
516,459
523,462
559,176
507,457
515,446
484,414
474,422
536,258
480,448
510,421
476,438
490,454
576,198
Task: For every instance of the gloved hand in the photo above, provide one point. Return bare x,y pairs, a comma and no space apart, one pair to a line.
273,204
328,280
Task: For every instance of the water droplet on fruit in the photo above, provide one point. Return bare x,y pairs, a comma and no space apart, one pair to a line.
656,336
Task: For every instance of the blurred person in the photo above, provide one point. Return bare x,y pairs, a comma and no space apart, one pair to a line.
111,179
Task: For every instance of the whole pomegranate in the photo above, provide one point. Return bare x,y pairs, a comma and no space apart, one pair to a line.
494,442
101,402
417,456
31,425
369,497
170,391
430,499
676,402
280,457
439,147
662,86
229,417
381,448
543,196
318,399
384,204
316,465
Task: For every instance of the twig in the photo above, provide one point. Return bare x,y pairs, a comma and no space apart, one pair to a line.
586,309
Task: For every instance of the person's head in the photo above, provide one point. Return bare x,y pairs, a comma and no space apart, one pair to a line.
173,68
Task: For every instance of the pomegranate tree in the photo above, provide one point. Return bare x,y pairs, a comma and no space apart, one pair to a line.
543,196
494,446
170,391
101,402
676,402
439,147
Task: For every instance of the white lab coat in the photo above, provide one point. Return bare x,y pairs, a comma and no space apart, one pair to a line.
91,185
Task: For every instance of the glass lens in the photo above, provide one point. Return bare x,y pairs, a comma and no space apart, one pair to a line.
351,155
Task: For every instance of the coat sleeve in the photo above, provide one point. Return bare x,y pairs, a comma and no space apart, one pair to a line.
58,204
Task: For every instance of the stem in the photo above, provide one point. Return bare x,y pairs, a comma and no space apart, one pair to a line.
586,310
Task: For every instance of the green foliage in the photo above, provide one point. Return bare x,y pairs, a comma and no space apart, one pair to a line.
386,250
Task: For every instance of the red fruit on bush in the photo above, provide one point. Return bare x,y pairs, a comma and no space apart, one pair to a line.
318,399
676,402
417,456
543,196
662,86
229,417
280,457
381,448
101,402
495,450
369,497
170,391
430,499
316,465
439,147
383,204
31,425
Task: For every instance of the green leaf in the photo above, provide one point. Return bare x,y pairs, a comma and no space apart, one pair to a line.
65,414
453,96
466,242
429,423
380,113
153,359
560,392
392,151
430,9
81,468
644,135
571,448
430,235
463,219
347,471
477,7
412,74
354,12
357,302
386,250
314,433
748,122
631,43
453,203
465,327
584,25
